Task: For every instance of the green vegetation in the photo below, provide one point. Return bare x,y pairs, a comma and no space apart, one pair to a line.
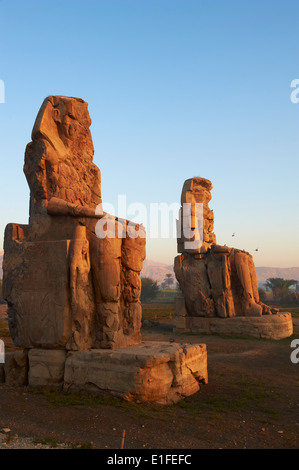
280,289
262,294
168,281
163,297
149,289
247,393
157,312
166,296
60,398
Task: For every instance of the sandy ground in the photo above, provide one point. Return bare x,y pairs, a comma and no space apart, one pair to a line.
251,401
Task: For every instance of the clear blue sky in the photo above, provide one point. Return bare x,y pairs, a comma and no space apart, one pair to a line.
176,88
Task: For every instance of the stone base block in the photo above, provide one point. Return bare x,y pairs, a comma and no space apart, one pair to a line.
15,369
46,368
267,326
155,372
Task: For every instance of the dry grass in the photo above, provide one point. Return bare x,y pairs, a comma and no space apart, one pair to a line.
157,312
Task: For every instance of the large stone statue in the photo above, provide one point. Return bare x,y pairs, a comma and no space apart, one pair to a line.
71,278
65,285
216,281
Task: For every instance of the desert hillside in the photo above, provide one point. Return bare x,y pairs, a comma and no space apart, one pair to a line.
263,273
156,270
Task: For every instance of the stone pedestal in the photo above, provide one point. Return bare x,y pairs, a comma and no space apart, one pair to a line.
15,369
46,368
276,326
155,372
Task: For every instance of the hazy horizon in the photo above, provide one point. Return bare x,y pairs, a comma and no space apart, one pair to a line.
171,264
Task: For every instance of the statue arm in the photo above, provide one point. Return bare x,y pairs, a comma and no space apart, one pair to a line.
57,206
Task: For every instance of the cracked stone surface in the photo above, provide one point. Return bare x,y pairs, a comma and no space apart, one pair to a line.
155,372
217,281
46,368
67,287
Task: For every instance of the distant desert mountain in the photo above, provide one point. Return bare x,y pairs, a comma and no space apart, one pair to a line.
157,271
263,273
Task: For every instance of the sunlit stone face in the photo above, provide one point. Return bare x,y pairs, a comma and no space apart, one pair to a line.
59,160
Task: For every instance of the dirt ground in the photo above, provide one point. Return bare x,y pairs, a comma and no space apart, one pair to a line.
251,401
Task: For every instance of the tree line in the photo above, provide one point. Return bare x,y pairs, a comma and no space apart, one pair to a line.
280,289
150,288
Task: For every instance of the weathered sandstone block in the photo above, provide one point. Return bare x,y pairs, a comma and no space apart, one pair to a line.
267,326
195,191
149,372
217,282
70,283
71,278
16,368
46,368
